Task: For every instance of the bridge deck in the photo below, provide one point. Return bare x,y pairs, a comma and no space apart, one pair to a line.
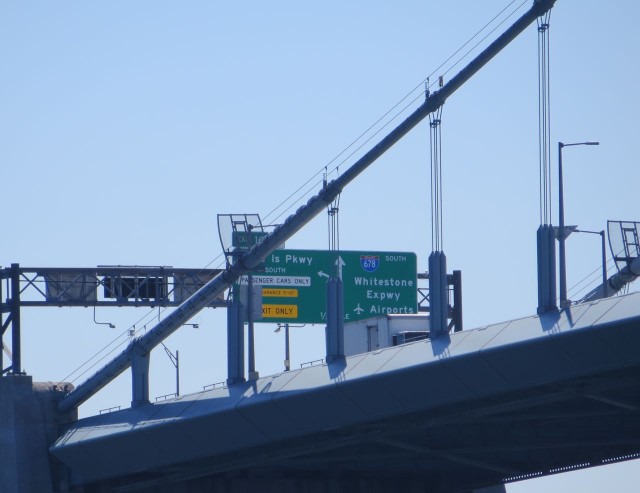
498,403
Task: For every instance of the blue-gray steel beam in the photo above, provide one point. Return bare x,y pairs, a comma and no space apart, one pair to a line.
457,301
139,377
33,277
438,294
235,344
16,359
296,221
546,243
335,320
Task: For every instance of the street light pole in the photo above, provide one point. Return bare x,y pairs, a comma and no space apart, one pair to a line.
287,354
562,236
175,360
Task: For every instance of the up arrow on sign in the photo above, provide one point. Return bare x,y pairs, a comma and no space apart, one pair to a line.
340,263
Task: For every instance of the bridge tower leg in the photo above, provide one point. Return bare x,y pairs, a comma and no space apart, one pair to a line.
235,343
335,320
139,376
546,269
438,294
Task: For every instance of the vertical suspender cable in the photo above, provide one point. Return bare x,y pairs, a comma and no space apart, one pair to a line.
435,136
431,190
546,237
544,118
439,136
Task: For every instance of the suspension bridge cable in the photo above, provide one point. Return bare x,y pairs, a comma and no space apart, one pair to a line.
597,272
544,120
336,168
421,83
611,264
412,91
484,37
125,334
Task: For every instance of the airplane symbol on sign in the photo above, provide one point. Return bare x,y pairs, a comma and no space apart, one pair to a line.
358,309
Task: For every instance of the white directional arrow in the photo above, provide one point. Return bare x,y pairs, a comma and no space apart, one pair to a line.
322,274
340,263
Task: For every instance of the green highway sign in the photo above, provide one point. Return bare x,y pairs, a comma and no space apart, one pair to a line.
294,284
244,240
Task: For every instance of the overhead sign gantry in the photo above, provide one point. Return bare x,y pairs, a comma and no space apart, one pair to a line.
105,285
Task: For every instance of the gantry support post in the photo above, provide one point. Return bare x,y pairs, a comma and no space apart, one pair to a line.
235,343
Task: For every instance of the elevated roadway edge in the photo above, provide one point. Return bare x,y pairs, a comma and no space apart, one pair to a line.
501,403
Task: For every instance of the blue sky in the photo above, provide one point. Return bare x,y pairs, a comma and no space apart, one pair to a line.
127,127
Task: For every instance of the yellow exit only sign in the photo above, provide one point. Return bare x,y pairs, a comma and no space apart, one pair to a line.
279,311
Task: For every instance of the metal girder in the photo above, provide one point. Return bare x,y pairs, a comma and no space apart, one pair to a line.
619,403
446,455
547,416
547,445
263,457
121,286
